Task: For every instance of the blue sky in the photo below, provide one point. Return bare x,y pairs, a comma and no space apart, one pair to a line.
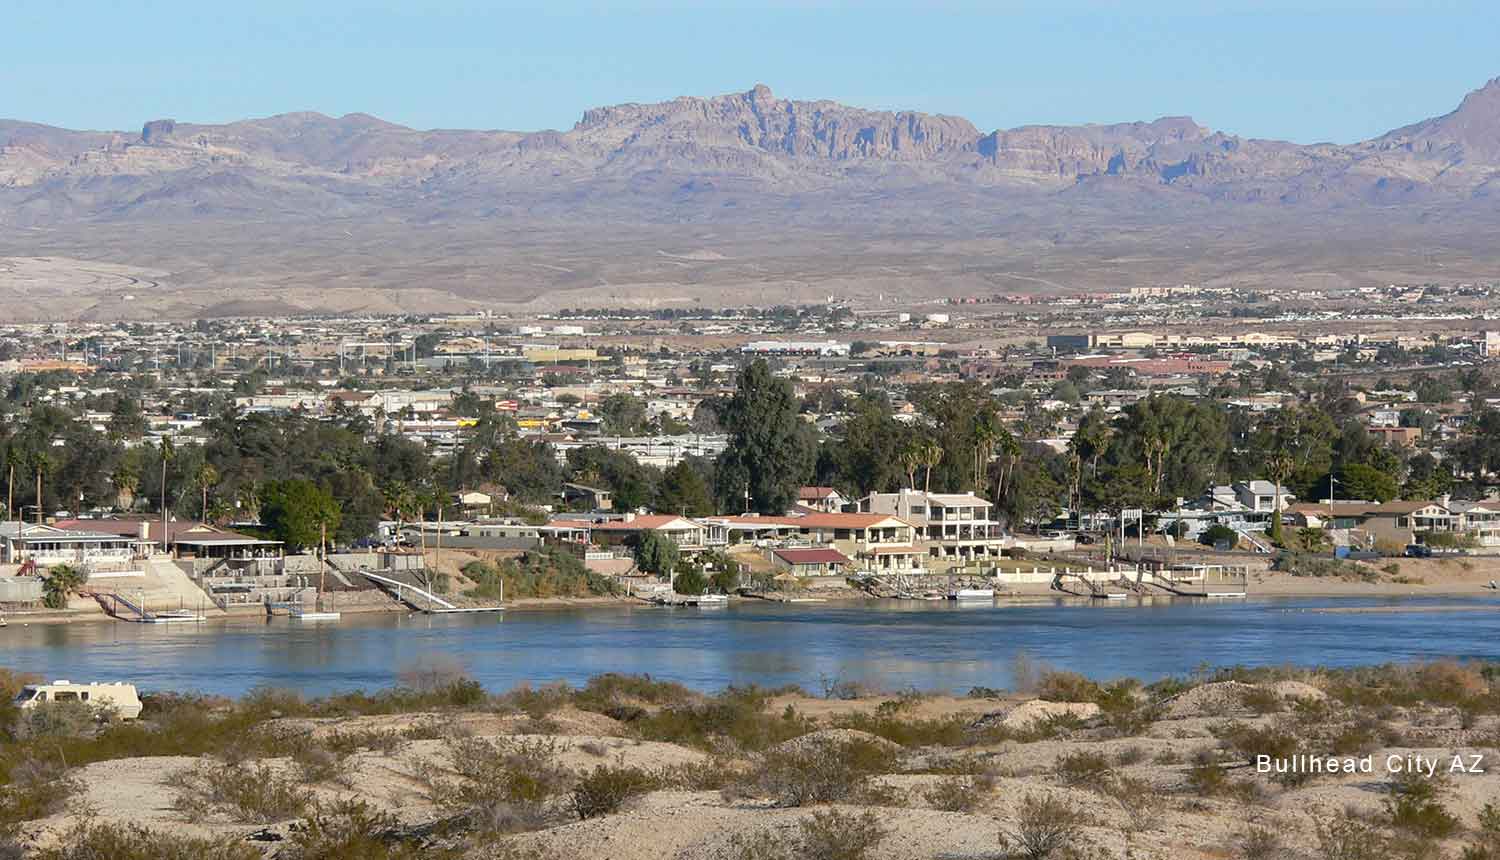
1311,71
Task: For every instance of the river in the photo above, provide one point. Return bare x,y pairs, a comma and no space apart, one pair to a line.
890,645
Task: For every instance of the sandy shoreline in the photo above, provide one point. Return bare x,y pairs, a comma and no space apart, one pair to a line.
1413,579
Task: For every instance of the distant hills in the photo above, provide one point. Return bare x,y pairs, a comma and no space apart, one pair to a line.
745,144
738,199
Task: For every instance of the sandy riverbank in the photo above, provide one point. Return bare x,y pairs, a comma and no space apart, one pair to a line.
1160,774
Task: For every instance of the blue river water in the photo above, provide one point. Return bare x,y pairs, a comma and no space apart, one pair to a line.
889,645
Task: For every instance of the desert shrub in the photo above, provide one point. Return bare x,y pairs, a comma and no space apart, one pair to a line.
1357,738
905,700
1067,687
816,773
1258,843
247,794
506,770
834,835
1135,798
1250,742
321,763
37,788
1261,700
1489,820
1086,769
827,835
1129,756
945,731
605,789
348,742
708,775
353,830
1208,779
608,690
959,793
536,702
1044,827
1347,838
95,840
737,715
984,693
58,720
1413,806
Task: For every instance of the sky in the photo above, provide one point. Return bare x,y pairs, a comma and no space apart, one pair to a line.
1318,70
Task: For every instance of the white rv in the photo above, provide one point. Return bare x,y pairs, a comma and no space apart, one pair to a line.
119,698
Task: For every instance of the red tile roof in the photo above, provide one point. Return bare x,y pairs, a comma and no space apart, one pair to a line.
812,556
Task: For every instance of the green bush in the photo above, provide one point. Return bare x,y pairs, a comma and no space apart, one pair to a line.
604,790
817,773
248,794
95,840
1413,806
1091,770
1045,826
550,572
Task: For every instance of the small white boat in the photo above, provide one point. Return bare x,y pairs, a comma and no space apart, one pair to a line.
972,594
712,600
312,615
172,616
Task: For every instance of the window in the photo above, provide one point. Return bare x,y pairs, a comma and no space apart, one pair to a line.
65,696
26,695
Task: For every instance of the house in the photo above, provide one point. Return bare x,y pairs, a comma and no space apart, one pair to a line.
180,538
954,527
473,500
1255,499
689,535
825,499
878,543
49,545
1400,437
1395,522
591,498
810,562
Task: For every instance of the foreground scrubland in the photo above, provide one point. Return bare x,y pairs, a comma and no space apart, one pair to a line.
631,767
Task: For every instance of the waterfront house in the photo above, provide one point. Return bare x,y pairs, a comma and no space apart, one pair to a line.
876,542
810,562
689,535
955,528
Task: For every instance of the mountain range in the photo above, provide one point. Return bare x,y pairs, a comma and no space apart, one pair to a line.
749,160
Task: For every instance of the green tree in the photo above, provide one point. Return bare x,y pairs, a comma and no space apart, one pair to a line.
689,579
623,414
684,490
207,478
1359,481
771,450
297,512
655,553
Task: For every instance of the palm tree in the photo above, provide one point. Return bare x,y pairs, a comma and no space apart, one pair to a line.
126,480
207,476
911,460
42,463
13,458
166,456
985,436
932,454
1280,466
1010,455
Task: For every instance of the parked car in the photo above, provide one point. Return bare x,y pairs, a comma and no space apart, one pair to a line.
1417,550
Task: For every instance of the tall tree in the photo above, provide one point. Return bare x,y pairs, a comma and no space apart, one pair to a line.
771,450
298,512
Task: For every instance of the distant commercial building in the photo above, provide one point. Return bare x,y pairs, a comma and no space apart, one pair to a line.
795,347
